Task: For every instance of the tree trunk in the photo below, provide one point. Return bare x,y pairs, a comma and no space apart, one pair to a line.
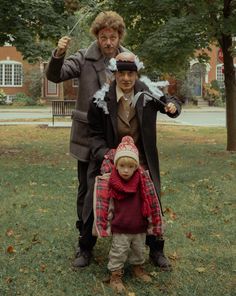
230,91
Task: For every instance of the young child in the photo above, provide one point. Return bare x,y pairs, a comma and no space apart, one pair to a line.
126,206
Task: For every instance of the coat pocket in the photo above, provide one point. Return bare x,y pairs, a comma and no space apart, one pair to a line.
79,116
79,129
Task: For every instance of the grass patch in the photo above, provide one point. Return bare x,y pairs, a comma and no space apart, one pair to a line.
38,197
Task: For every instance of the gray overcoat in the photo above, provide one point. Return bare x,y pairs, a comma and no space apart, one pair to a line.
88,66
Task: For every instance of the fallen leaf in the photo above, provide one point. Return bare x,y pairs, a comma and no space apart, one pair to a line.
190,236
8,279
215,210
167,221
154,274
131,294
10,250
35,239
171,213
106,279
42,210
162,173
100,259
173,190
200,269
216,235
42,267
24,270
10,232
174,256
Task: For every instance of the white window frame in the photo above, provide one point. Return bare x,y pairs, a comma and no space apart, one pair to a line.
14,75
75,82
221,75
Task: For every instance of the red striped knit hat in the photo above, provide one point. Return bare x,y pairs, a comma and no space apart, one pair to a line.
127,148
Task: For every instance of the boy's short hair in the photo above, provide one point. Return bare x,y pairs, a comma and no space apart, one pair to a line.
128,160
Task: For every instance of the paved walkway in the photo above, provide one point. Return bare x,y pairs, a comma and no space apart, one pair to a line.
190,116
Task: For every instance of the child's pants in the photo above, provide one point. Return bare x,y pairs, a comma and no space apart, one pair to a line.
126,246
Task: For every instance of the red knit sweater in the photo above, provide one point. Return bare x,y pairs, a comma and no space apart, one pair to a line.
128,204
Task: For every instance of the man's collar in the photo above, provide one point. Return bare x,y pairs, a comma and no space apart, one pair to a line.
120,93
93,52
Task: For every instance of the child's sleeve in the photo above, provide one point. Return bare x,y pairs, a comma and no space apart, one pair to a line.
101,206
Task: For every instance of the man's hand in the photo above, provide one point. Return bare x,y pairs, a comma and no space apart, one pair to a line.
170,108
62,46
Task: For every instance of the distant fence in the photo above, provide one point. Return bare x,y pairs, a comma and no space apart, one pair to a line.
62,108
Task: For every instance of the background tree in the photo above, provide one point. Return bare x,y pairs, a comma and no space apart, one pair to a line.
165,33
34,26
168,33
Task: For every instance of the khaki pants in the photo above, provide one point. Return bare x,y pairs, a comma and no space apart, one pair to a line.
126,246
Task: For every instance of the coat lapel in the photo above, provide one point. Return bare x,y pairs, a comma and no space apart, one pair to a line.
132,113
122,113
113,109
139,105
93,53
101,73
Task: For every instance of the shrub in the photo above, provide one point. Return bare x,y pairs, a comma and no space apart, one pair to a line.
3,97
33,78
184,91
22,99
213,94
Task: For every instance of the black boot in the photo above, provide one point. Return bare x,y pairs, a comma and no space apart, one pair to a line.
86,244
83,258
156,254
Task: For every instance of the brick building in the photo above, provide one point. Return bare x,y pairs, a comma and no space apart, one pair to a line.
13,73
13,69
209,72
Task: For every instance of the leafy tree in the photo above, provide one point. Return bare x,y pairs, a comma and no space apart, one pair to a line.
80,37
33,26
168,33
33,79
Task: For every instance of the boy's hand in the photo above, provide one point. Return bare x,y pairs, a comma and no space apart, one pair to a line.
170,108
62,46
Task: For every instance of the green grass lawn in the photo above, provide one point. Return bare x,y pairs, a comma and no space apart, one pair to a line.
37,216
